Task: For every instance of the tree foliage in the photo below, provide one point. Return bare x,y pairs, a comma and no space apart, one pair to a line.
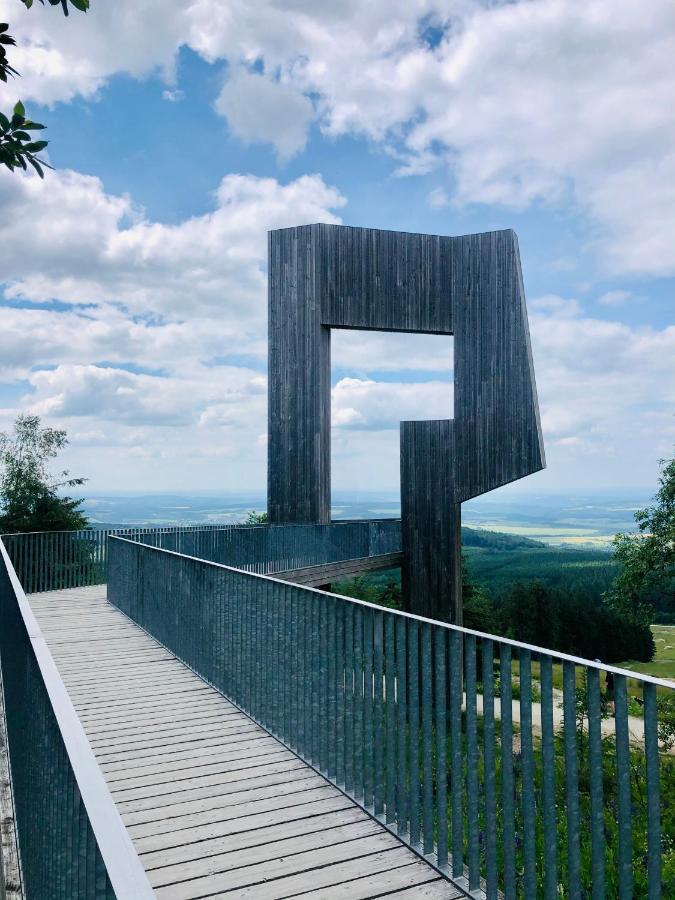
82,5
647,559
18,148
256,518
29,493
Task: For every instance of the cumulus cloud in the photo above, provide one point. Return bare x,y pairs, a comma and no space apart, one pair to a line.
94,252
525,102
365,404
605,388
121,396
518,103
259,108
154,329
368,351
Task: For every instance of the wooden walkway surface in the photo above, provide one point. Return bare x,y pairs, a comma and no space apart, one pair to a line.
215,806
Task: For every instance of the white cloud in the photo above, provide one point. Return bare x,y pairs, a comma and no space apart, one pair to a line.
524,102
377,351
224,396
547,101
615,298
606,390
258,108
87,255
365,404
176,313
60,58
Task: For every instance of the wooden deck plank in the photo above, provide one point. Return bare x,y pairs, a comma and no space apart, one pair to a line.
214,805
416,880
329,877
245,840
260,853
298,865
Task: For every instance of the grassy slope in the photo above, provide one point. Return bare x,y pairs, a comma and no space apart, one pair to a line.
663,664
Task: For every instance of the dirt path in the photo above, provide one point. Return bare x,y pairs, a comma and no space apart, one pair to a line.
636,728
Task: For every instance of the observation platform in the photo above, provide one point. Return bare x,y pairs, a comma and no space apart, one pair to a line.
214,805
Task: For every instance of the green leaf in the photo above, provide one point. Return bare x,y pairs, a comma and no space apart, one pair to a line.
36,165
19,109
36,147
82,5
21,136
32,126
3,27
27,3
4,122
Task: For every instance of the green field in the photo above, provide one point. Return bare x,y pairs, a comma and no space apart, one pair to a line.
663,664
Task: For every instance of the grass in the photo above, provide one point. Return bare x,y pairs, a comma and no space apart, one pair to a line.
663,664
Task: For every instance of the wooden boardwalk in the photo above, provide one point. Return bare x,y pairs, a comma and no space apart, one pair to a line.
214,805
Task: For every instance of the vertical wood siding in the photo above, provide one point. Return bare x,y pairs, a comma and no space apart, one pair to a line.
333,276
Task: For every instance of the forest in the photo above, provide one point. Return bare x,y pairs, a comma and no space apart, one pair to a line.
524,589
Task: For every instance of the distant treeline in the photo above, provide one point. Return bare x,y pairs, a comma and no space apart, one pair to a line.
525,590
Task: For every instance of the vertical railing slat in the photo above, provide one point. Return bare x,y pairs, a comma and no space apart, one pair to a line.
653,793
401,728
427,741
390,677
527,775
489,775
473,853
368,738
571,781
414,732
456,743
595,776
548,802
508,813
623,787
378,713
441,749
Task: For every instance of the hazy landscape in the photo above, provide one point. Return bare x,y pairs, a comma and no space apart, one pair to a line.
581,520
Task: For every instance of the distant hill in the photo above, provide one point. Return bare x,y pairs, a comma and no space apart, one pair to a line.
498,540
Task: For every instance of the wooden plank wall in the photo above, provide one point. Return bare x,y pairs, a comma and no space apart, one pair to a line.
299,383
334,276
430,522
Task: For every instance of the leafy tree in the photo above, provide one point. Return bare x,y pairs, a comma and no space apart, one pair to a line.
647,559
256,518
29,493
18,147
666,717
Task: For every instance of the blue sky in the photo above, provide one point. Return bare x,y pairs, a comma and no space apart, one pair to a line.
133,307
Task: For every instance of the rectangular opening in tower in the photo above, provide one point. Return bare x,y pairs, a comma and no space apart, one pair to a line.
379,379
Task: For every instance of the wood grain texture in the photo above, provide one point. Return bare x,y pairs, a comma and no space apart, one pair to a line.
314,576
430,521
471,286
299,382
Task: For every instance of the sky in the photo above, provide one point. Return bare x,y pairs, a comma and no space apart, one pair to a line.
133,278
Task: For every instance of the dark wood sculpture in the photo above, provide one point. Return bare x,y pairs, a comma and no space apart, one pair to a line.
334,276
